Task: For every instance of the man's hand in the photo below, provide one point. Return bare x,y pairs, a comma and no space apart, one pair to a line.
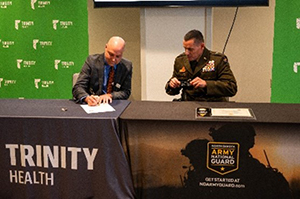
106,98
198,83
174,83
92,100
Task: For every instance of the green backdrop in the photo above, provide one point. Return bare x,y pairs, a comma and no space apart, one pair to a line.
286,55
42,43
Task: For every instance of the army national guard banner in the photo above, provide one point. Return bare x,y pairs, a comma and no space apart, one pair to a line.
214,160
286,56
42,43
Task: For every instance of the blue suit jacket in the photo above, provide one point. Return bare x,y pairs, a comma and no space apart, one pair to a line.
90,79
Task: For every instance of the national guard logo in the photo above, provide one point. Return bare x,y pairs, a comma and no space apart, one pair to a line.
223,157
203,112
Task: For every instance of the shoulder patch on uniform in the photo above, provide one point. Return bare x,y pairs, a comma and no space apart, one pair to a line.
222,56
216,53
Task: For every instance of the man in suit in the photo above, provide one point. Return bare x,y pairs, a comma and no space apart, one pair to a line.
201,74
93,85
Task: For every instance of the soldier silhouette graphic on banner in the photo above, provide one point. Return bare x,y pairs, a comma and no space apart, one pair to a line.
252,179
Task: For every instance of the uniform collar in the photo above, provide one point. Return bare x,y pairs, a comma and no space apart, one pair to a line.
201,61
205,55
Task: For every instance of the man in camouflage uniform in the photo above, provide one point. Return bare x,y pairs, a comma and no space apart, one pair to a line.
202,75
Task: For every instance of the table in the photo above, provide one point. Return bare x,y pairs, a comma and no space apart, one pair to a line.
174,155
53,149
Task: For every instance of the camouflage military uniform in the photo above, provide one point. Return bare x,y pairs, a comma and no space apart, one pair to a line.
211,67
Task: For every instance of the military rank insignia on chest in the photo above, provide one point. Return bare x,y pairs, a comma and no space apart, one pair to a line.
209,67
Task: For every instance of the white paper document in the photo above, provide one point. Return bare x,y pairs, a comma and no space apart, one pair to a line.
104,107
229,112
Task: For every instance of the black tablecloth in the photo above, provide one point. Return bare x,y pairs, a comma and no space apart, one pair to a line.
173,154
54,149
185,111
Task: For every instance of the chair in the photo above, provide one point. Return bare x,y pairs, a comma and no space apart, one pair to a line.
75,76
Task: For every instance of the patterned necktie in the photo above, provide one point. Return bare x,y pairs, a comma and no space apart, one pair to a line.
110,80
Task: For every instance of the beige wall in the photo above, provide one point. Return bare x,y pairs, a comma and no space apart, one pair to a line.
162,35
249,49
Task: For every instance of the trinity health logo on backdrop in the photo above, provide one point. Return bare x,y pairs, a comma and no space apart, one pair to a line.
6,43
63,64
5,4
39,83
297,64
25,63
36,43
39,4
57,24
7,82
23,24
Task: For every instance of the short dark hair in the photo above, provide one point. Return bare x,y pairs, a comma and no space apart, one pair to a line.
194,34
